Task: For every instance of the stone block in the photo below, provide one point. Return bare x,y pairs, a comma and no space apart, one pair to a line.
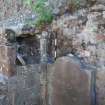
68,84
100,87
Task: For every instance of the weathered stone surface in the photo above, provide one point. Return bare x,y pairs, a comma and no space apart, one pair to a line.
69,85
98,7
10,8
83,26
61,5
67,28
101,87
104,14
24,88
7,60
3,100
101,1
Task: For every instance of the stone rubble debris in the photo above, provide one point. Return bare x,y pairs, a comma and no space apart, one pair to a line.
98,7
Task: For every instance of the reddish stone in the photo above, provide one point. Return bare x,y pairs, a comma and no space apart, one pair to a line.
69,84
100,37
7,60
100,84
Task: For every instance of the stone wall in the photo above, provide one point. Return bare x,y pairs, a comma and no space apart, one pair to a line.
71,83
23,88
68,84
9,8
83,34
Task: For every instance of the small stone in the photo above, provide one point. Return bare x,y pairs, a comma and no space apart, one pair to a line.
56,11
104,14
70,55
99,7
85,53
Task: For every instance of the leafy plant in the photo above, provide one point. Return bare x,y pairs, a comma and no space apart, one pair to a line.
77,3
43,11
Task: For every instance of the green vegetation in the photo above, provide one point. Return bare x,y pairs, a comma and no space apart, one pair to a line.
43,11
77,3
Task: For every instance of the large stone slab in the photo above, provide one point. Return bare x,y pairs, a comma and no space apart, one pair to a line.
68,84
100,83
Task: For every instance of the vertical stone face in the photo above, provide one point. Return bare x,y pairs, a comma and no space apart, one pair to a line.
101,87
24,88
69,85
7,60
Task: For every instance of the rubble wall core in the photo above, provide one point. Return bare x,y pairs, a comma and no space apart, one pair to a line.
80,37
